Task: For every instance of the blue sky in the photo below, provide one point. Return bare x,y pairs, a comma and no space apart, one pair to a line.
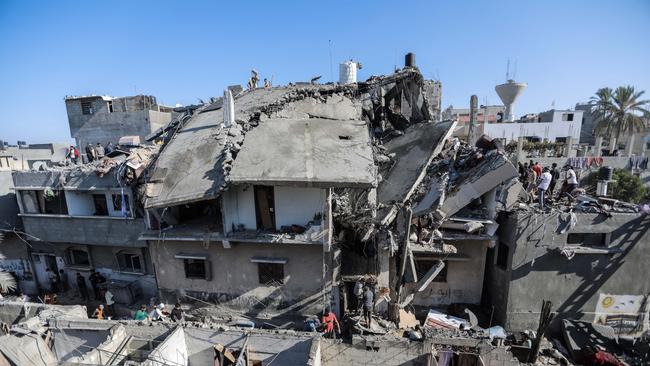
182,51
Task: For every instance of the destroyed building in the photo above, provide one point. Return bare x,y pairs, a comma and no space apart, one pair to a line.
102,119
81,218
585,262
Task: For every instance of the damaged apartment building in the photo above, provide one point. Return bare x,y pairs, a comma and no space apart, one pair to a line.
282,198
80,218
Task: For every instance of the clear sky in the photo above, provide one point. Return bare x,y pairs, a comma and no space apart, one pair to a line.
180,51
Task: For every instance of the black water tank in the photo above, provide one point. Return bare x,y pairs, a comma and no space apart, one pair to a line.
409,59
606,173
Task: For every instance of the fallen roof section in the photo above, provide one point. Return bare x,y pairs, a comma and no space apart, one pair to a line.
414,152
314,152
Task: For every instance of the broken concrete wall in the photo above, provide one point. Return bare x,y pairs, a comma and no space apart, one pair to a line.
172,350
131,116
464,279
601,255
378,352
234,279
89,346
280,349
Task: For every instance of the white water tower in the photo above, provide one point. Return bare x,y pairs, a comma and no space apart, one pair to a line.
509,92
348,72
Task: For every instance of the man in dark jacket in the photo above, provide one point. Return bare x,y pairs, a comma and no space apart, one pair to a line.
81,285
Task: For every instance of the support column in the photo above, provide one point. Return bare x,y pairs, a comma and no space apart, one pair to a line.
629,145
520,148
568,150
598,146
612,144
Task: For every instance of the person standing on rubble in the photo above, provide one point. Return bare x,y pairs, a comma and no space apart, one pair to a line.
95,279
54,280
73,154
368,305
329,320
81,285
544,183
90,153
537,168
571,181
99,150
555,176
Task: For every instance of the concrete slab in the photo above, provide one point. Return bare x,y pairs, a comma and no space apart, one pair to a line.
413,151
311,152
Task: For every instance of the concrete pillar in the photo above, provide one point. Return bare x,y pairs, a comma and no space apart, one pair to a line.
629,145
612,144
598,146
520,148
473,117
568,149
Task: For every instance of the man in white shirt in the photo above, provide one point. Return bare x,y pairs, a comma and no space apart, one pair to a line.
571,181
545,181
157,313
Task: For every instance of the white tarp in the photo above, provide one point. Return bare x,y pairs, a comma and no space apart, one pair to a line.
627,314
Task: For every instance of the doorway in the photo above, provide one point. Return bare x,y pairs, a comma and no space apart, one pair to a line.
41,263
264,207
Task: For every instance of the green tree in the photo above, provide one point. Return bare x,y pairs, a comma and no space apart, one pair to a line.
619,112
628,187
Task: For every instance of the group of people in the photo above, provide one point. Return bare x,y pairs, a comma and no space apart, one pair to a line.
93,153
158,313
98,151
541,181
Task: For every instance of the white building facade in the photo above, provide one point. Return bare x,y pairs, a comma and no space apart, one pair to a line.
553,126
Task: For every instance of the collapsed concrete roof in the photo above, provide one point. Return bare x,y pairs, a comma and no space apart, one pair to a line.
413,153
197,160
314,151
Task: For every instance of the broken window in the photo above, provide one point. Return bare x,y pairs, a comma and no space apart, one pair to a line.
87,107
130,262
264,207
117,203
423,265
588,239
78,257
110,106
101,209
196,268
270,273
567,117
503,252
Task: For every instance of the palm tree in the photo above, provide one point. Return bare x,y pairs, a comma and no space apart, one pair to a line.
7,281
619,112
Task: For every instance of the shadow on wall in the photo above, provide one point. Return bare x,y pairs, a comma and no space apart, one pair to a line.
596,270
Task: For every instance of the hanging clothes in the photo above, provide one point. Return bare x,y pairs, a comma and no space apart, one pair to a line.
467,359
445,358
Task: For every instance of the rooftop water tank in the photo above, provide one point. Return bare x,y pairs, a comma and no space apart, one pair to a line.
348,72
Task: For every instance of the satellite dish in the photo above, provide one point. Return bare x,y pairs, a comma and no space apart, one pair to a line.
59,155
